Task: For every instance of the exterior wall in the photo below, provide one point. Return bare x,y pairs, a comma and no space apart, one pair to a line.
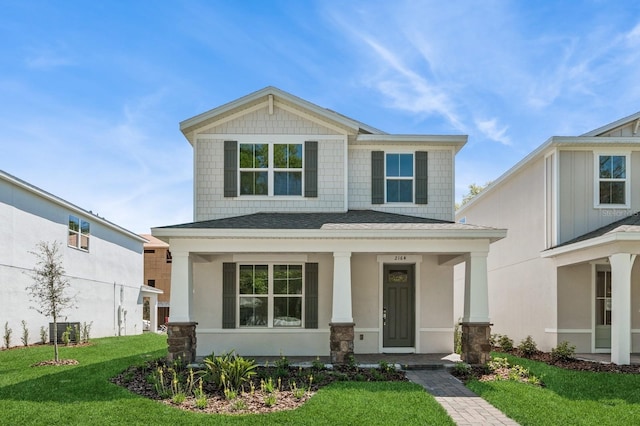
576,306
522,285
107,276
210,202
156,267
434,317
441,178
577,214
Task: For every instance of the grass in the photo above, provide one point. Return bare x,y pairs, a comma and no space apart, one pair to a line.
82,394
569,398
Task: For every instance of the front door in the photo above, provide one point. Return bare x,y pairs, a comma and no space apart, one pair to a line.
398,306
603,309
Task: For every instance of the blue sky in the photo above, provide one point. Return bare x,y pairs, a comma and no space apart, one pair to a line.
91,93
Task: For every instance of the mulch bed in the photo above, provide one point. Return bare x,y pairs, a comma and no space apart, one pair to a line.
135,379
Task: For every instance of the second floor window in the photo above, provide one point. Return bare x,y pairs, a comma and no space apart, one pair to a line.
270,169
79,232
399,178
612,180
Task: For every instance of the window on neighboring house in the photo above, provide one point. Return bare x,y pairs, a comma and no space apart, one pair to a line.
149,251
270,169
612,180
399,178
168,256
270,295
151,283
79,232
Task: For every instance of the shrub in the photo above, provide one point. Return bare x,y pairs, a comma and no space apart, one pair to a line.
86,331
457,338
66,336
7,335
230,370
462,369
528,347
316,364
43,335
505,343
25,333
563,352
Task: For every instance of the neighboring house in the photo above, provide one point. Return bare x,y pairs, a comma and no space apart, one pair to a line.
316,234
102,261
157,273
566,270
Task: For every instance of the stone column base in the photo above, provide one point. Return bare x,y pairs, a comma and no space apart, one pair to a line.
341,342
181,339
476,345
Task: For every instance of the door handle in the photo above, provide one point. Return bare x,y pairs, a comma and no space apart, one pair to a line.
384,316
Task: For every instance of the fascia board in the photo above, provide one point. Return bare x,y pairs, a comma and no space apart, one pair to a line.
448,141
69,206
491,234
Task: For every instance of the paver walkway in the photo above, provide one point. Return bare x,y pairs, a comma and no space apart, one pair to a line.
464,406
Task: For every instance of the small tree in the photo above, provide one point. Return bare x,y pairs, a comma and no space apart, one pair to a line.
49,285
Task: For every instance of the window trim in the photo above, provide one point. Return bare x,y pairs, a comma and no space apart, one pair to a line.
395,178
79,233
271,295
271,169
597,179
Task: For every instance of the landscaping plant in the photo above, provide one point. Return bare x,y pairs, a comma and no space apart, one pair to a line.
7,335
48,290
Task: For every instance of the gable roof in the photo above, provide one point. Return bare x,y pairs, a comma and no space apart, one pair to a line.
67,205
587,139
200,120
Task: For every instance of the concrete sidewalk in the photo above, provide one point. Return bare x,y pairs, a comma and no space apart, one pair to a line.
464,406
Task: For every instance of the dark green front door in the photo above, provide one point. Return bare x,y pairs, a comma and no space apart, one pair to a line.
398,301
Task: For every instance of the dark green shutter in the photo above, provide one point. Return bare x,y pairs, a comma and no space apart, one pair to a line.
230,168
422,178
311,295
377,177
311,169
228,295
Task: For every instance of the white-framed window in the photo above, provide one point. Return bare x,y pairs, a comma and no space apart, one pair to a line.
79,233
612,180
270,295
399,177
270,168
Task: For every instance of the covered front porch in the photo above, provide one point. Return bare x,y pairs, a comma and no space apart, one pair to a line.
606,269
361,288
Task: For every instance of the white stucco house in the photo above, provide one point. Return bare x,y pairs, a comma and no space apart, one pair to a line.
316,234
566,271
103,263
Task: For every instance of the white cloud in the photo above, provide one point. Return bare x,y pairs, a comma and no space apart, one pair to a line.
492,131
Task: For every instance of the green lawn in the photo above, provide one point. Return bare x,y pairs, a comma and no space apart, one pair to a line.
569,398
82,394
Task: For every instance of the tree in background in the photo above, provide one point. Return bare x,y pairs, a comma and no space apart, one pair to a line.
473,191
49,285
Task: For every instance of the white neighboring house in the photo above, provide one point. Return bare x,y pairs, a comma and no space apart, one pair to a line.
103,263
567,271
316,234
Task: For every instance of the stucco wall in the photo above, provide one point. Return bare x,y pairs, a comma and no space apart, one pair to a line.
522,285
113,257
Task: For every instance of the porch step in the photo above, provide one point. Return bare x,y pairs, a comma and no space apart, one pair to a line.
430,366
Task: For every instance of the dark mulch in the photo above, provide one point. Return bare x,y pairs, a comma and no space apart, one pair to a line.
252,400
480,372
54,362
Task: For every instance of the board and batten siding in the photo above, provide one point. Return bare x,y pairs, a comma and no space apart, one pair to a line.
577,214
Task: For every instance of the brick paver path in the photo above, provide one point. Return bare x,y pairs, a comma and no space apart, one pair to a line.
464,406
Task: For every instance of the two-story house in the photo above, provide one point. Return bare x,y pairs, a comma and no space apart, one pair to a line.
315,234
566,271
102,263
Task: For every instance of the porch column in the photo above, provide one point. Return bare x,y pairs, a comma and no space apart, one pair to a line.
181,330
621,265
341,326
153,313
476,329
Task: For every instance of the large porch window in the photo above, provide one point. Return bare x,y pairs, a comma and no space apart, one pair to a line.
270,295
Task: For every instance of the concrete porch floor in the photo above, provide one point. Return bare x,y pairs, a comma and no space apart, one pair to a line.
406,361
